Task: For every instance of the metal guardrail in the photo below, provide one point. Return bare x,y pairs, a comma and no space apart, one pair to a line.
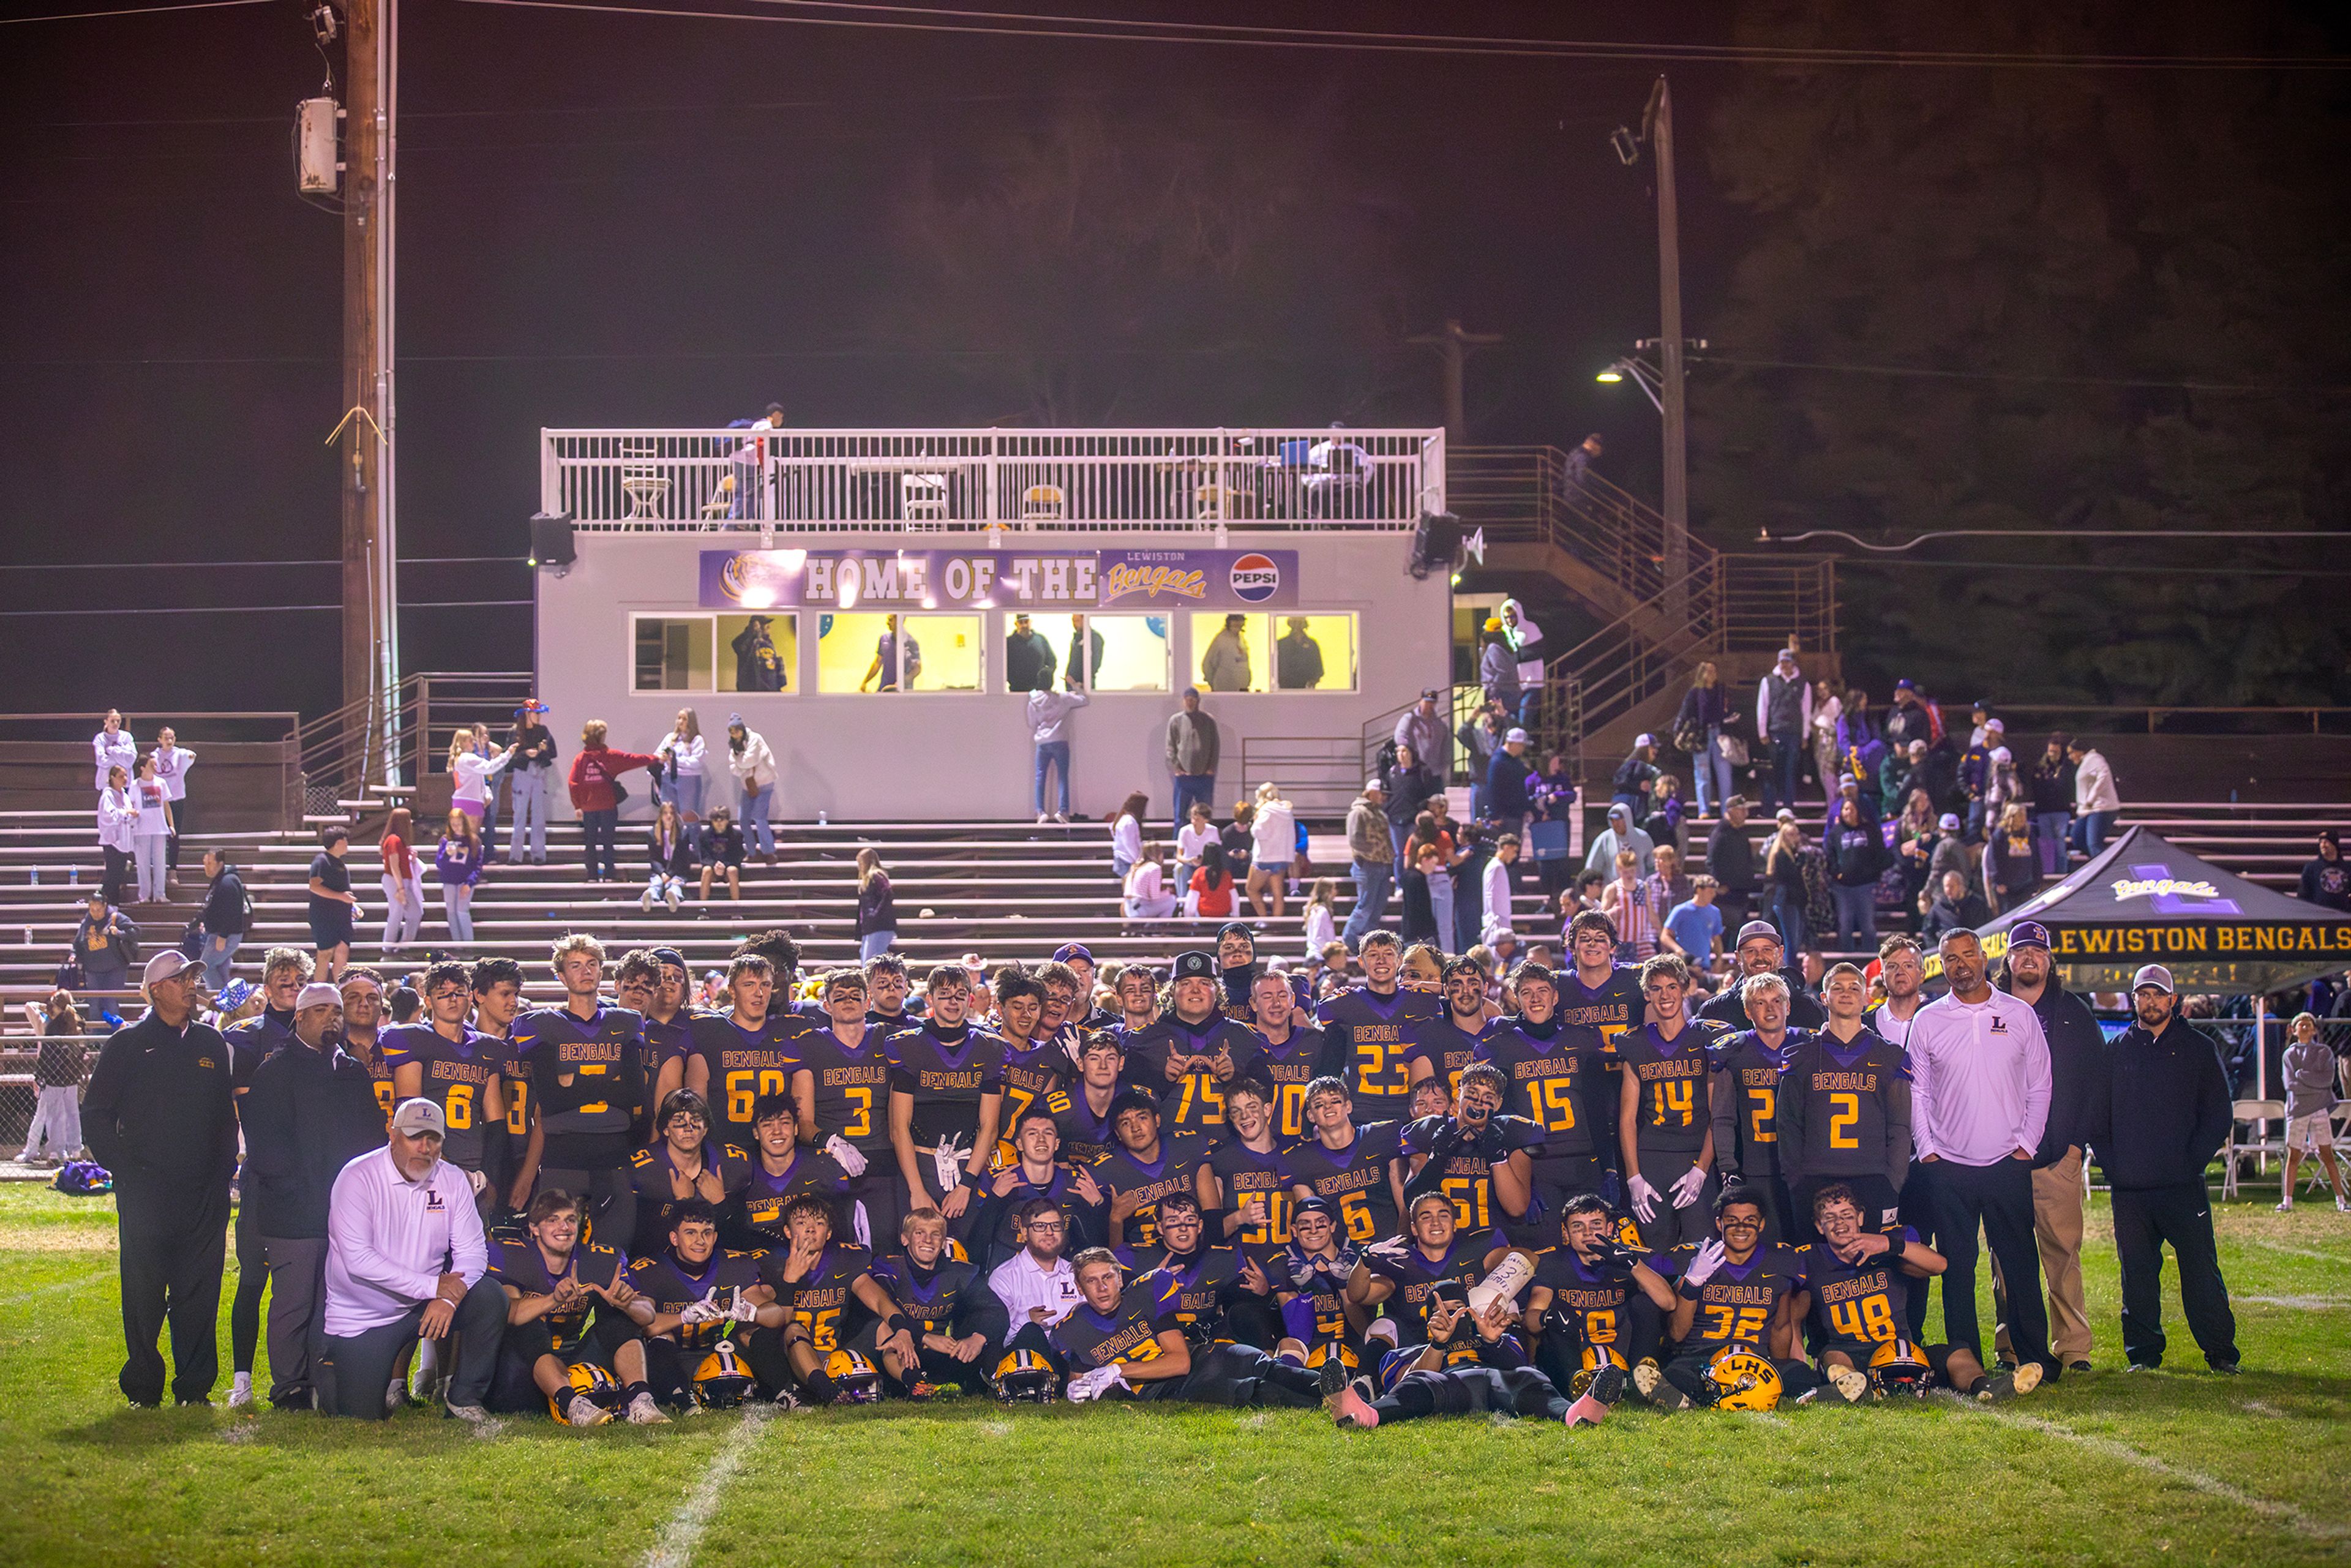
341,752
803,481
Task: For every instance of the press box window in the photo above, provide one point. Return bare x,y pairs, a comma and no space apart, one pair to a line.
859,651
1314,652
1119,653
672,654
759,653
1229,651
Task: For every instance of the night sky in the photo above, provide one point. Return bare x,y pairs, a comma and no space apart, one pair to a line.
636,220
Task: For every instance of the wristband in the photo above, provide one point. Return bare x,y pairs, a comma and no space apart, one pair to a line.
1685,1290
900,1321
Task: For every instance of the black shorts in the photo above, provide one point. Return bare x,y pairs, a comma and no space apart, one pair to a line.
331,930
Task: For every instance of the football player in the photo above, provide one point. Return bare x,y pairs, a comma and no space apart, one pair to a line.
1125,1342
1410,1276
1036,1171
843,1090
587,1067
1368,1029
1732,1293
1856,1279
1216,1293
944,1304
1477,1158
1597,992
753,1049
459,1069
684,1164
1665,1120
947,1101
1844,1109
552,1282
1238,971
1356,1169
1194,1051
827,1285
1441,1049
1554,1074
1290,1051
886,992
1033,1063
1745,1097
1245,1178
362,1023
693,1294
654,984
1147,1166
1596,1303
1081,1113
782,1170
1471,1364
496,985
1317,1322
1138,999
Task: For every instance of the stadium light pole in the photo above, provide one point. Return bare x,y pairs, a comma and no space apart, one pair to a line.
1658,135
370,642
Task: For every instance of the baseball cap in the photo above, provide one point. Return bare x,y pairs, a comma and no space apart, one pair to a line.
1493,624
1787,814
2001,753
1906,684
1191,691
317,994
1754,928
1949,823
411,1117
2028,934
1643,738
1518,735
1373,786
2000,725
164,964
1847,781
1496,935
1195,966
1430,694
1735,801
1068,950
2154,975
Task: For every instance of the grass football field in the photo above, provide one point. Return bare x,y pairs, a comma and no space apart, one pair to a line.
2173,1467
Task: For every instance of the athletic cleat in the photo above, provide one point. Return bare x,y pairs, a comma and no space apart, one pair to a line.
1851,1385
1607,1387
585,1412
472,1413
1333,1376
1646,1378
395,1398
1349,1408
2226,1369
2001,1387
240,1391
644,1412
788,1400
923,1393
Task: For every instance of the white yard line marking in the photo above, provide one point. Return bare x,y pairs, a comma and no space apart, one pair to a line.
675,1547
2295,1251
2301,1303
54,1287
2212,1486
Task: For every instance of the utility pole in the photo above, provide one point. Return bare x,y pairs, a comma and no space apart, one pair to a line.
1658,129
371,646
1453,345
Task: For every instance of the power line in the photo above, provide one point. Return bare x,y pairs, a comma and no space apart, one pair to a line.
2101,569
132,11
1913,371
1023,24
269,609
2071,535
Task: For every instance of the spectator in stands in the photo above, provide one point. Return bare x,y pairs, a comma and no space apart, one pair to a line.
758,666
1494,885
2002,785
1480,735
1914,836
1273,834
877,906
113,747
1147,894
886,659
596,793
403,881
2011,859
153,826
118,828
1623,900
1697,730
101,945
1192,754
2096,801
457,862
745,486
1371,856
1951,852
1635,776
1027,658
1498,668
1422,727
1225,666
1407,787
1828,713
473,769
1694,928
1297,658
173,761
1321,925
223,919
1920,771
2325,878
1194,836
334,913
1620,834
1913,718
1856,854
669,850
1240,845
1665,818
1424,921
54,1136
1212,886
2309,1072
679,774
1667,884
1126,834
2050,789
754,767
1956,908
531,773
1784,878
1730,860
1048,734
1580,460
1784,716
1526,639
1507,780
718,846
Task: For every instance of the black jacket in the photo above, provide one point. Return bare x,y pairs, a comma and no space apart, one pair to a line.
1728,1006
680,861
2077,1069
159,1112
1730,859
2166,1110
226,910
307,1115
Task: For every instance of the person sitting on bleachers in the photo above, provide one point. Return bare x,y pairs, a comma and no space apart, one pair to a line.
669,845
718,845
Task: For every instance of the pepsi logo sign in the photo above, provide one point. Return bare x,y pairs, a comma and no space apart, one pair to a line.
1255,578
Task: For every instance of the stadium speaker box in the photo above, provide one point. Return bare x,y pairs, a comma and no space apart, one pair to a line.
1436,544
550,540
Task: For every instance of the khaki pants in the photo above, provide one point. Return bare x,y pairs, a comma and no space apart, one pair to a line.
2057,1228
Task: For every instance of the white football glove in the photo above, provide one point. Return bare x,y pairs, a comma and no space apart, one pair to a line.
1093,1385
705,1310
845,1155
1685,1190
1391,1249
1702,1267
745,1310
948,1163
1644,1200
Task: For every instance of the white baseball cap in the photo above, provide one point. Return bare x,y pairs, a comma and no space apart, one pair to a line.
1519,735
317,994
164,966
2154,975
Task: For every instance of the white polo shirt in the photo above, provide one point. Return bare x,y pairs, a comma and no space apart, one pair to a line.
390,1239
1979,1079
1020,1284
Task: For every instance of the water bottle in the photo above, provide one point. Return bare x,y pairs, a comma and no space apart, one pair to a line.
819,822
73,877
37,876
